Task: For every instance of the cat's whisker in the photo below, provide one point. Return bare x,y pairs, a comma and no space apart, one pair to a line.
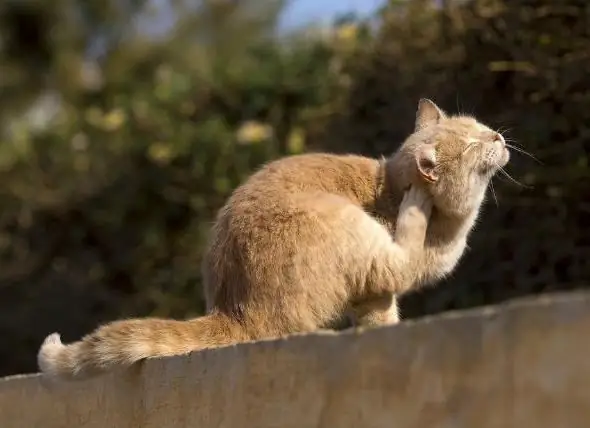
524,152
511,144
512,179
513,141
469,147
502,130
494,193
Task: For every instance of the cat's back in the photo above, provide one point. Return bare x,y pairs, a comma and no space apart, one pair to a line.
289,200
349,176
276,221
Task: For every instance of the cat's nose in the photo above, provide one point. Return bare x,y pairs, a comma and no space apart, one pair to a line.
498,138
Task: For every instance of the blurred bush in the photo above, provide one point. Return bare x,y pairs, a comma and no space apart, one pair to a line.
117,147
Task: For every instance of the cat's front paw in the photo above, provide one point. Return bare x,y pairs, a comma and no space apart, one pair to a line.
415,208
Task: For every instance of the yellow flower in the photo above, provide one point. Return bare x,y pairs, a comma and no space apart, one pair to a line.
113,119
253,132
346,34
160,153
110,121
296,141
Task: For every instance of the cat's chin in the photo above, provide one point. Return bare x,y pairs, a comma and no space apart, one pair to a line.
504,158
458,212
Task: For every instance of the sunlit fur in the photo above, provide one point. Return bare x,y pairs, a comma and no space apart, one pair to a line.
467,153
312,239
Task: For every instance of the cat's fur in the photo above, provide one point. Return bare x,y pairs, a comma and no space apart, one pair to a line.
311,238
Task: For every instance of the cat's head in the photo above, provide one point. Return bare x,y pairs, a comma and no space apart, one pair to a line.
455,157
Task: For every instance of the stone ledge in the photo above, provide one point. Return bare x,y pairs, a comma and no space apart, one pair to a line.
521,364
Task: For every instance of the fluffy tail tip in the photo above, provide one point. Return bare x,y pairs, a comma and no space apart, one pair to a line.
49,354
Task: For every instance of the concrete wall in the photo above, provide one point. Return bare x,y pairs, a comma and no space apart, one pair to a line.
525,364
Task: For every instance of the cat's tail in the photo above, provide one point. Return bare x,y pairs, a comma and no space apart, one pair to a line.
122,343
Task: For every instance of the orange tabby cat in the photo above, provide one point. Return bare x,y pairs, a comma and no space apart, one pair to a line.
309,239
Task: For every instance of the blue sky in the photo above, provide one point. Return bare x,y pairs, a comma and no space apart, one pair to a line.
305,11
297,13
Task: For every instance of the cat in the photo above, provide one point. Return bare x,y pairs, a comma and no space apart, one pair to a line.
311,239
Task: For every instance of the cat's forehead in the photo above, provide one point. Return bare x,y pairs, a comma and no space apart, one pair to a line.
458,132
464,126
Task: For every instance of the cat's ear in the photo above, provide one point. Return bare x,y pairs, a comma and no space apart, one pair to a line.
428,114
426,163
